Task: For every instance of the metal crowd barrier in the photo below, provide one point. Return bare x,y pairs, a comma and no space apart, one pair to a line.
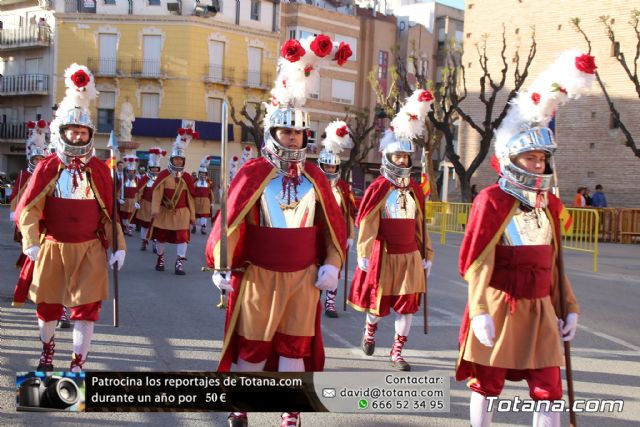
583,234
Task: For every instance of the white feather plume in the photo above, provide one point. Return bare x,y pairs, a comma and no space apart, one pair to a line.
336,139
536,106
296,80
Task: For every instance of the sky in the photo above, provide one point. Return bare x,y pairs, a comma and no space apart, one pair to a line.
454,3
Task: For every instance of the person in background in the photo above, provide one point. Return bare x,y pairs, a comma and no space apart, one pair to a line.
599,200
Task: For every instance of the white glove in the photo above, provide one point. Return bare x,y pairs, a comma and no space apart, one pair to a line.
222,282
363,264
11,216
136,205
327,278
117,256
568,328
32,252
349,243
426,264
121,201
483,329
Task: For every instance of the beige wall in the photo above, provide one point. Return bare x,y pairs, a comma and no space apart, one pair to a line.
589,152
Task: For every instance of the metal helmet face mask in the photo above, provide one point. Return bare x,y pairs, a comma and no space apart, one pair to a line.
282,158
174,169
327,158
397,175
153,171
68,150
520,183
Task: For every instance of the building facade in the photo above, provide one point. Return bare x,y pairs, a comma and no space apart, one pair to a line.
170,63
590,149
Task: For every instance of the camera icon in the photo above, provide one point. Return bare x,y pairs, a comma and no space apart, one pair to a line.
54,392
329,392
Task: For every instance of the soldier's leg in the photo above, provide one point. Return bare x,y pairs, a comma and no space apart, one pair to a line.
85,317
143,238
368,337
160,248
330,304
181,249
48,315
402,328
545,386
487,382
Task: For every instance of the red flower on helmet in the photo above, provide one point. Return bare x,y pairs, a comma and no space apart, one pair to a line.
292,50
196,135
235,158
307,70
31,124
42,124
80,78
425,96
343,54
535,97
189,131
413,117
322,45
246,147
164,153
181,131
342,131
586,63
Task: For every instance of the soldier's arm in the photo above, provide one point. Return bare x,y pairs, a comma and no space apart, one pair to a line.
156,199
367,234
29,222
478,281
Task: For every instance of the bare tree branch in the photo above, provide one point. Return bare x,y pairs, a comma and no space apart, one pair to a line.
254,125
629,140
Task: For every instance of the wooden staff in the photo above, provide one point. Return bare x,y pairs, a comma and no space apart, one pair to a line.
346,255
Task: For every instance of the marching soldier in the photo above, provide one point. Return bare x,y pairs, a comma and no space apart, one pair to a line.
204,196
145,195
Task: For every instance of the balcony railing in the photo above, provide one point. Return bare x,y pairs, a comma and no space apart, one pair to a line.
24,84
257,80
147,68
219,74
23,37
13,131
106,67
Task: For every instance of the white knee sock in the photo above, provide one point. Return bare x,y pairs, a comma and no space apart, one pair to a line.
244,366
478,414
544,418
143,233
125,223
82,334
203,222
181,249
286,364
373,319
160,248
403,324
47,330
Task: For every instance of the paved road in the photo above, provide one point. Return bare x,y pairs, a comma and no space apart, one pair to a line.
170,323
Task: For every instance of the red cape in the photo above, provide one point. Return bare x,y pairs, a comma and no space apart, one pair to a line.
489,211
185,176
244,191
21,181
46,171
363,292
347,196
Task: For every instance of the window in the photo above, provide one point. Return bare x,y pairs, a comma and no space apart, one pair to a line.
150,105
109,1
254,66
312,135
107,61
342,91
352,42
216,61
255,10
152,48
154,2
214,108
106,106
